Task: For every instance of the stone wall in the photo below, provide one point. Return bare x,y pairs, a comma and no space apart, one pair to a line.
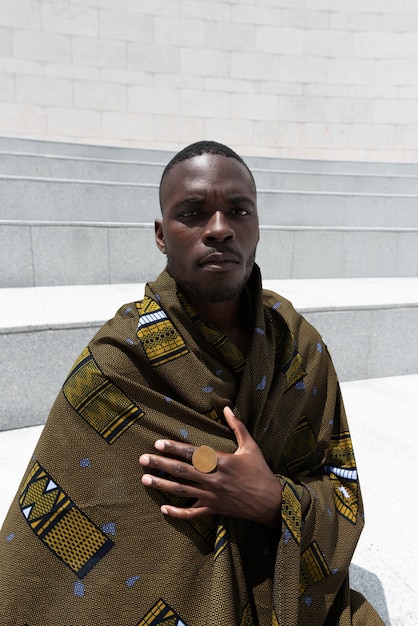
296,78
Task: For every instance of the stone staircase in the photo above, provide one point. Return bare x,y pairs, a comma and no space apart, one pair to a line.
339,239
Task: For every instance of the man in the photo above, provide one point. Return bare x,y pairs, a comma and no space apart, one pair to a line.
244,508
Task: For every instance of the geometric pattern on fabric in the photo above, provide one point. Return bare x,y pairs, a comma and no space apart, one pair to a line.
341,468
216,338
300,449
206,526
247,616
346,497
221,540
103,405
341,451
313,567
60,525
288,358
160,340
162,614
292,509
213,415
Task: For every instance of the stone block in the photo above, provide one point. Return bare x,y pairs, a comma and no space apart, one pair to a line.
275,252
15,256
254,106
406,255
346,334
8,87
208,63
153,58
319,253
230,131
218,11
347,72
75,122
204,104
133,255
54,351
327,43
301,109
44,91
255,14
154,7
238,38
179,31
306,19
251,66
23,14
392,339
94,95
6,45
22,119
303,69
175,132
274,40
42,46
154,100
136,127
98,52
59,17
126,26
70,255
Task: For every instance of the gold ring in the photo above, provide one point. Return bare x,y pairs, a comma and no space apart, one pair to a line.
205,459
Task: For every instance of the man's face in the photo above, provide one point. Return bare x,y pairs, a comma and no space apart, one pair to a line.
209,229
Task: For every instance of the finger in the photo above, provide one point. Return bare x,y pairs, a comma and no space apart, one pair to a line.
181,490
185,514
237,427
175,448
174,467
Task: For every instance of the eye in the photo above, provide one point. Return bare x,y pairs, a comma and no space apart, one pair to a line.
187,214
240,211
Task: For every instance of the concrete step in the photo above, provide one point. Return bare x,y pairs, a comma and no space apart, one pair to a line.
118,170
58,253
365,322
389,582
16,144
25,198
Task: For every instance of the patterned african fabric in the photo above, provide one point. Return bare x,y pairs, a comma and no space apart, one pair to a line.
85,543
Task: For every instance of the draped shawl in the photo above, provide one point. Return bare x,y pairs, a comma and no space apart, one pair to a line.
85,543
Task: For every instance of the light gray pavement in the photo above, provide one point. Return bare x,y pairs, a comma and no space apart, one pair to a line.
382,416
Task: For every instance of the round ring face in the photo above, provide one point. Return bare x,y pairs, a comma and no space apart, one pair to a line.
205,459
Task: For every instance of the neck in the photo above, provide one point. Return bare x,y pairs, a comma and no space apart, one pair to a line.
228,317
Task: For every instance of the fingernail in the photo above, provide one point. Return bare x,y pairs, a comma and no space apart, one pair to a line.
164,510
146,480
159,444
144,459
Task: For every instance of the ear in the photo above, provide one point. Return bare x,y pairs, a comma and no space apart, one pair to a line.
159,236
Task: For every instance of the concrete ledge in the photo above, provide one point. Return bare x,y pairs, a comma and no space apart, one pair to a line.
119,170
17,144
384,563
60,253
366,324
26,198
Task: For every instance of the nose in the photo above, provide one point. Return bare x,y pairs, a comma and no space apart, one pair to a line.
218,228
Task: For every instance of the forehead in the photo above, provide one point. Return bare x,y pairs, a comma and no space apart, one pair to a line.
207,172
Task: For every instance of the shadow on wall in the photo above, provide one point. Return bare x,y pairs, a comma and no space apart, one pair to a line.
370,586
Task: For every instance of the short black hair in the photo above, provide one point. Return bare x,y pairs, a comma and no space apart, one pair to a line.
203,147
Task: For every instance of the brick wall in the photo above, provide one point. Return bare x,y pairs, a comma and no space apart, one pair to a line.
296,78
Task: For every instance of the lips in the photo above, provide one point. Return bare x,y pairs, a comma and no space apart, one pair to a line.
219,259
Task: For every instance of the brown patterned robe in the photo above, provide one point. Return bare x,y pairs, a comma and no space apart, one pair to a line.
85,543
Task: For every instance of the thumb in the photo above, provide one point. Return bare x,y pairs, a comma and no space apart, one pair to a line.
237,427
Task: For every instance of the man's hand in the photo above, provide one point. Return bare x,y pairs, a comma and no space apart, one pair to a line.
242,485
